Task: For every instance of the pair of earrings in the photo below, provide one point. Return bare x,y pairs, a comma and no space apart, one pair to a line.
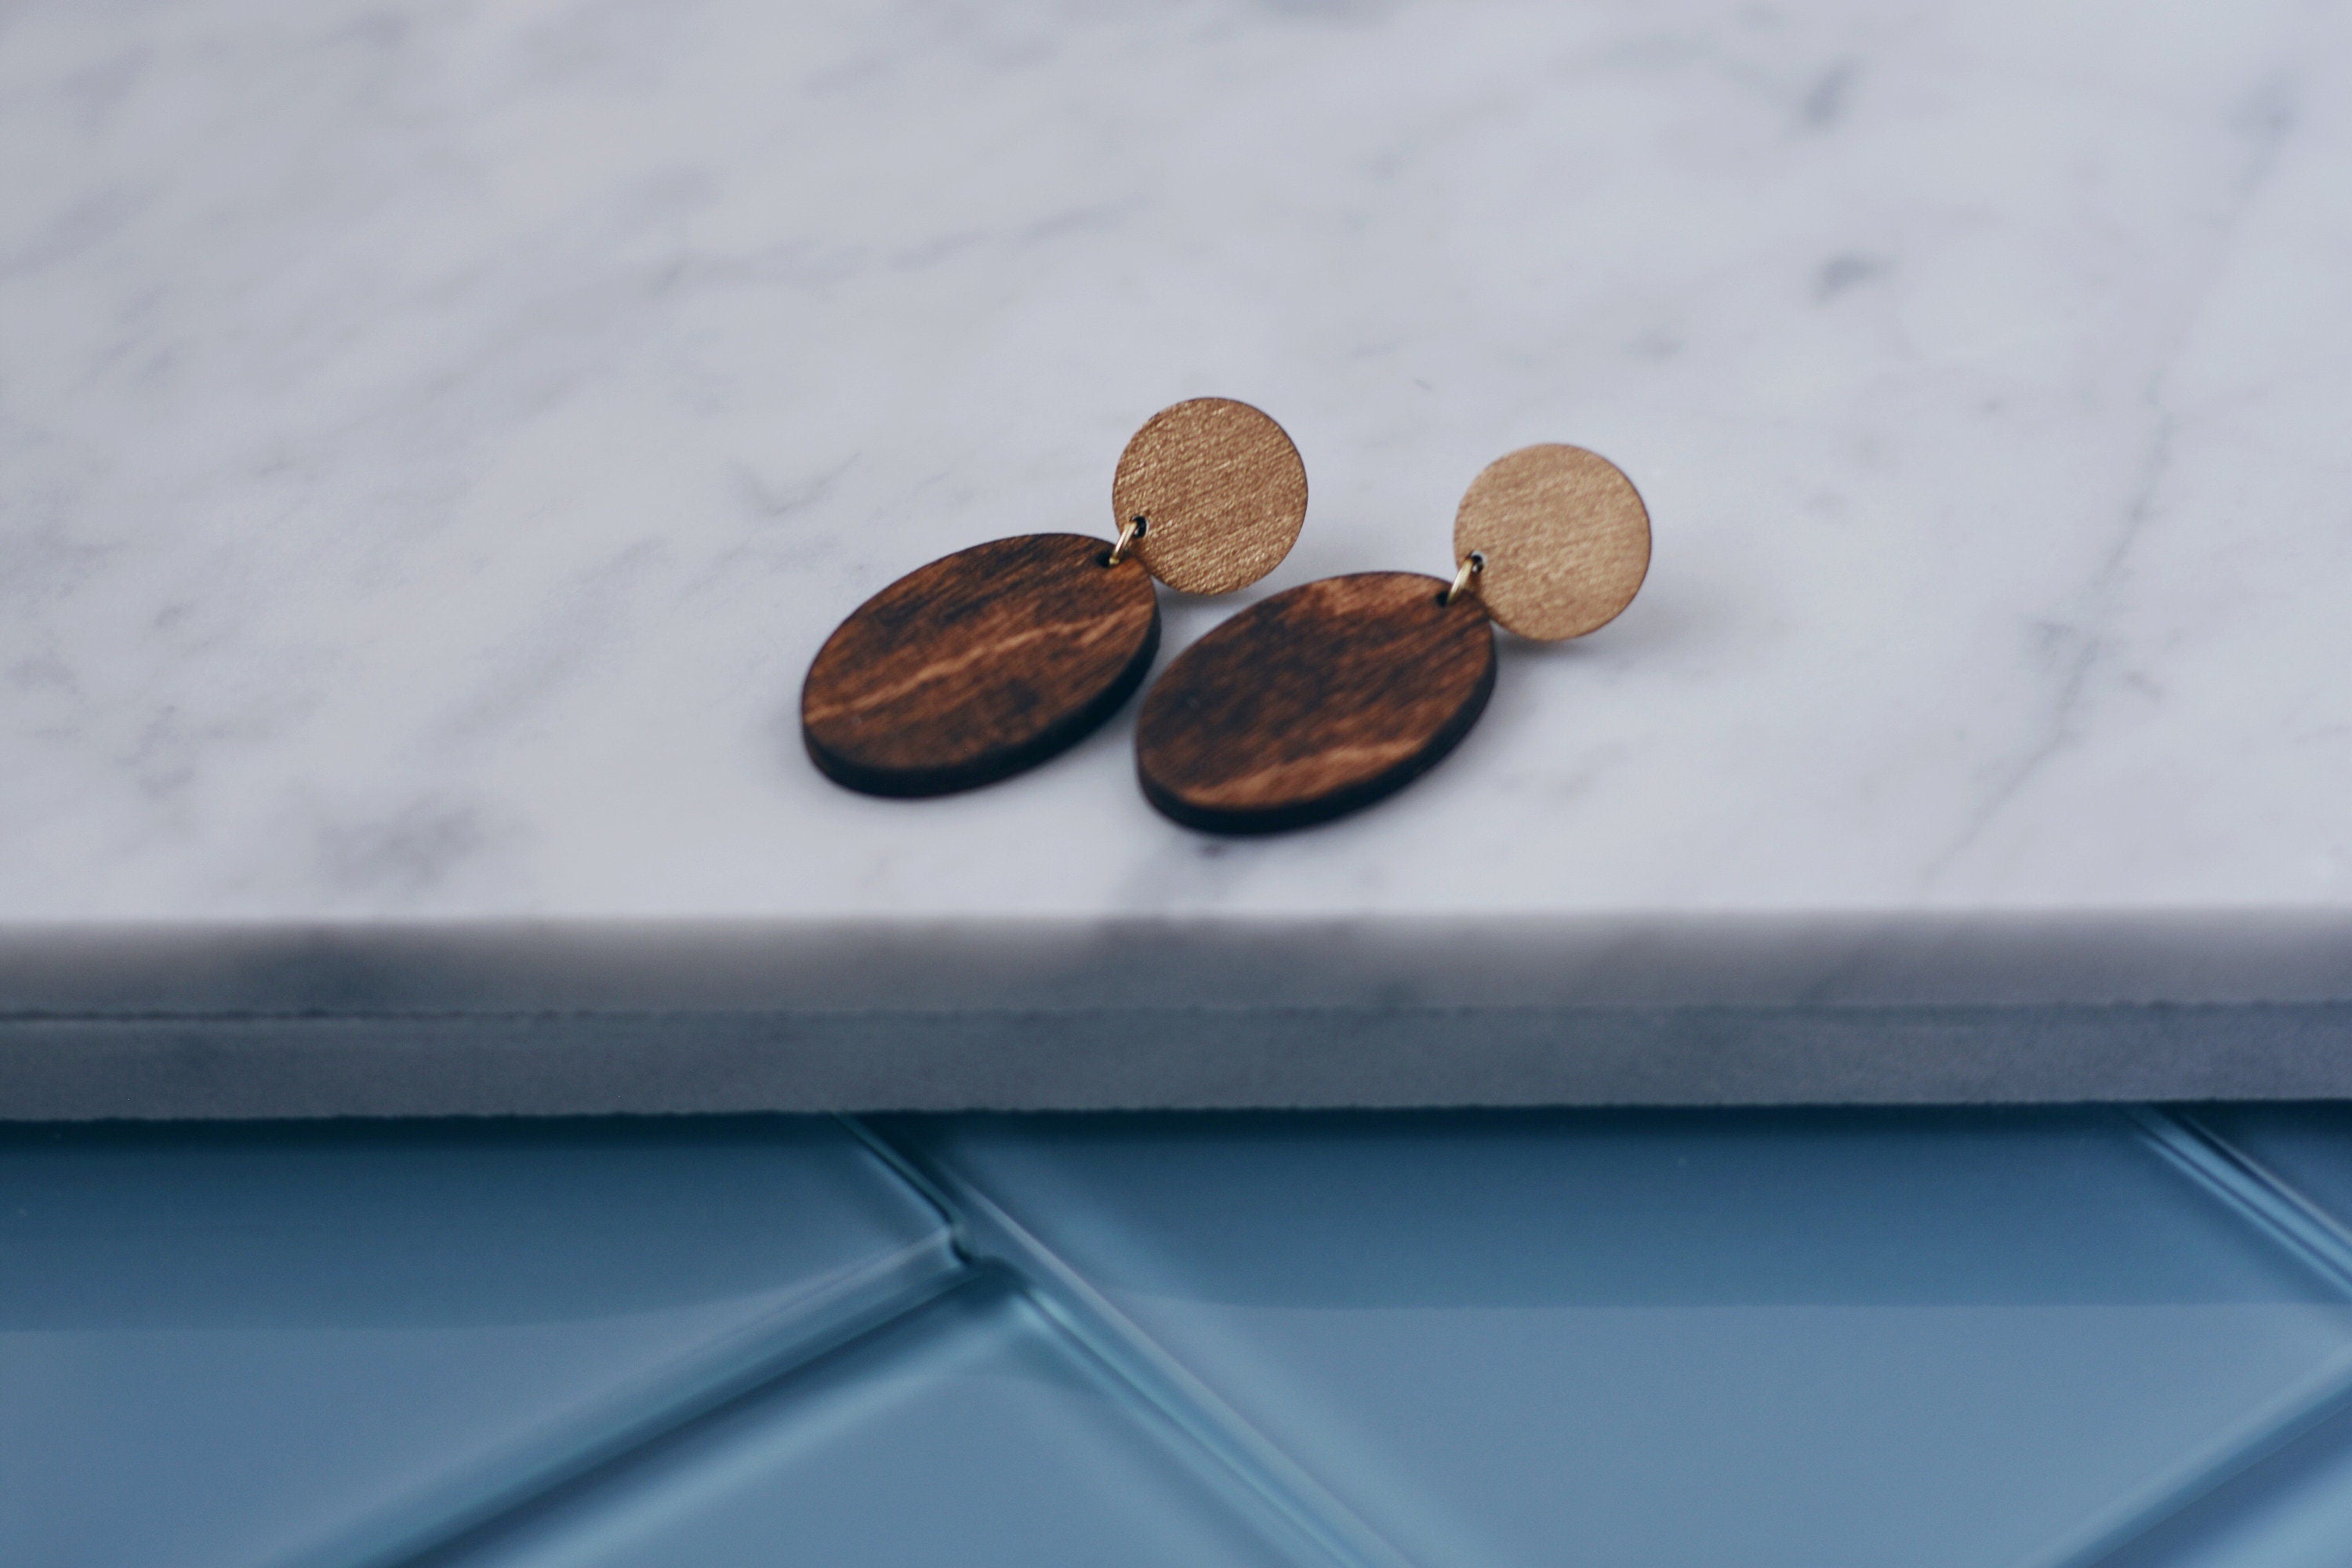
1314,702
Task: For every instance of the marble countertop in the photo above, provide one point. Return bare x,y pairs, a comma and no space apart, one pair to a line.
434,438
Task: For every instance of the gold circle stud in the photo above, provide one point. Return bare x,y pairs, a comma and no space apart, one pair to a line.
1565,536
1220,492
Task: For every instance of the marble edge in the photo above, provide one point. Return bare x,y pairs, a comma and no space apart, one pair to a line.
523,968
1167,1059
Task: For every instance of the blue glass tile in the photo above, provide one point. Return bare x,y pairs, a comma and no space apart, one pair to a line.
1801,1338
2293,1510
967,1433
261,1346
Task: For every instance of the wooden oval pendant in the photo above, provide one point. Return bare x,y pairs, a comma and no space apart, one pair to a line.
979,664
1317,701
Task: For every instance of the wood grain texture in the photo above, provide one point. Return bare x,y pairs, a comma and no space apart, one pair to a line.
1564,535
1221,488
1315,702
979,664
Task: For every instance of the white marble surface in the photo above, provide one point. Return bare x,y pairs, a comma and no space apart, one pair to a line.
434,438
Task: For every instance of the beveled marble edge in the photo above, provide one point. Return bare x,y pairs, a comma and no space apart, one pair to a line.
1754,960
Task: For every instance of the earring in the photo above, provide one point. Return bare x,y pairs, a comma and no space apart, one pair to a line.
994,658
1331,696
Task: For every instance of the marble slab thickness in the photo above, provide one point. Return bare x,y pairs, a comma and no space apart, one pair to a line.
434,440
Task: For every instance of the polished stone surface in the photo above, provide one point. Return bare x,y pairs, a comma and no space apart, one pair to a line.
434,438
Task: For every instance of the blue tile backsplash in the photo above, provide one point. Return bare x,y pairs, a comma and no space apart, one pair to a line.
1693,1339
329,1345
1372,1342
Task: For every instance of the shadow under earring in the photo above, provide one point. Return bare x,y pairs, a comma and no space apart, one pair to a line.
1332,694
995,658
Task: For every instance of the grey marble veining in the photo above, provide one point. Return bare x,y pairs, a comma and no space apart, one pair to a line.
434,438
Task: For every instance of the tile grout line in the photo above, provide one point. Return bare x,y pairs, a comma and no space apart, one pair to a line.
984,1230
2274,1209
738,1375
2294,1219
619,1443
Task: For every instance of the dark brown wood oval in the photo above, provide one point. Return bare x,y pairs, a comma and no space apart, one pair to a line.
979,664
1315,702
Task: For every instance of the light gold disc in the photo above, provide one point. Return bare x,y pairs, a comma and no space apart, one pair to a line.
1565,536
1221,490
